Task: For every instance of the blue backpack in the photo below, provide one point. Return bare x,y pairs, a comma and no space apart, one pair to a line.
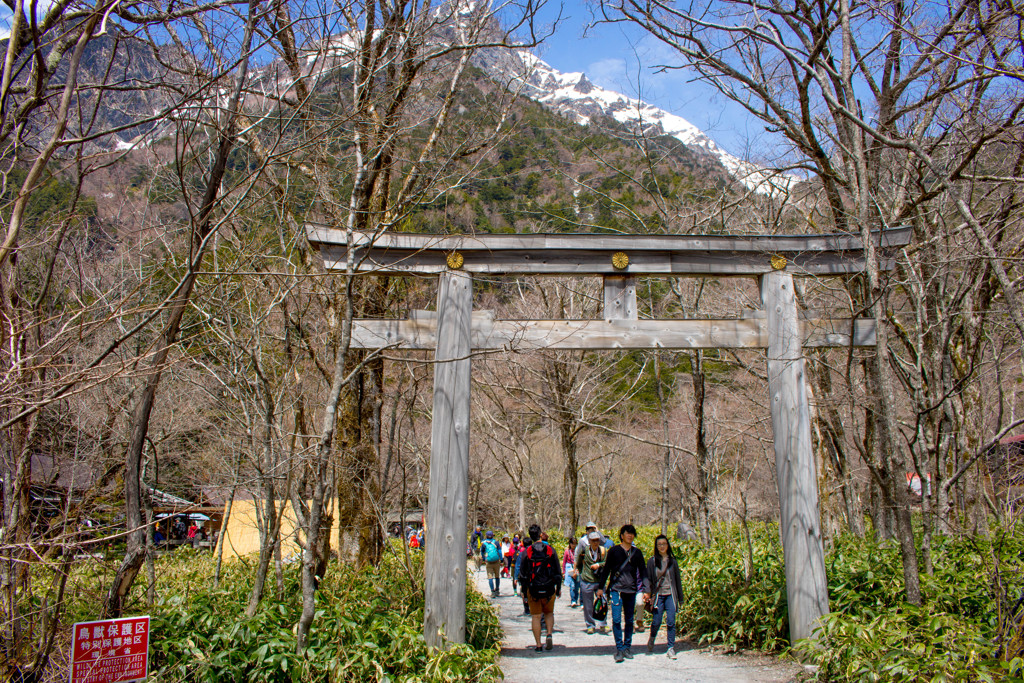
492,553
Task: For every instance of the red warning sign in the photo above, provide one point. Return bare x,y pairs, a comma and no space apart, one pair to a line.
112,651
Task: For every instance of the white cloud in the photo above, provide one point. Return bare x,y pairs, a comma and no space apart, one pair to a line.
607,73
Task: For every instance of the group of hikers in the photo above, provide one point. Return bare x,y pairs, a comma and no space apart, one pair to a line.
603,578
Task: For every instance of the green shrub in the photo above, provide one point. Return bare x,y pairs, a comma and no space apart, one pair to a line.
872,634
719,602
368,627
909,645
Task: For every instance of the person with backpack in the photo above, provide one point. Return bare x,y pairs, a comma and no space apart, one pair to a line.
516,569
510,559
589,561
663,589
623,577
474,540
491,552
541,578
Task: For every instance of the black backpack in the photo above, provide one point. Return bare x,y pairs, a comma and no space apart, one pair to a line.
541,573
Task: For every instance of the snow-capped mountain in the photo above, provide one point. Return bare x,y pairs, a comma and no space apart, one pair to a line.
573,95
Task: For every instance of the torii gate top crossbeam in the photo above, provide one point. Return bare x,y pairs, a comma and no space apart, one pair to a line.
592,254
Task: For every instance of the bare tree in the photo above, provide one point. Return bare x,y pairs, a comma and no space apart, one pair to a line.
938,94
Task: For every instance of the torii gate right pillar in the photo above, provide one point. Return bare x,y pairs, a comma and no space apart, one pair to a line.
800,522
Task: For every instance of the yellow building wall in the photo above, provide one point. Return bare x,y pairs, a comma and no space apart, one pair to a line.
241,534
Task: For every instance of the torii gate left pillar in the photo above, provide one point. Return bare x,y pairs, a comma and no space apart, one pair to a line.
444,612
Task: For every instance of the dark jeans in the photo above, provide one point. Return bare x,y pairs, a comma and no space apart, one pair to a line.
623,605
665,607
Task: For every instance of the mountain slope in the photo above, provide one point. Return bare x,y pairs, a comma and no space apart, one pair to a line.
574,96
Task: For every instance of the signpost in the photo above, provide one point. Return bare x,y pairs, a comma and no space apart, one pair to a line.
110,651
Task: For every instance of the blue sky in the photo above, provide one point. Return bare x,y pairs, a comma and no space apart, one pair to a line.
622,58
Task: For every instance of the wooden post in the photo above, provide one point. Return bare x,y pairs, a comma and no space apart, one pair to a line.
800,525
444,614
619,297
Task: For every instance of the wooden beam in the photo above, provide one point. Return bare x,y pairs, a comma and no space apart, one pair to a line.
800,525
420,332
619,297
444,613
589,254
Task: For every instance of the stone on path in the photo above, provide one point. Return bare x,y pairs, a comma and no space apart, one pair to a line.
581,658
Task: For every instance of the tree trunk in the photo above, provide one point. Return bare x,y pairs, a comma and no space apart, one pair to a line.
221,538
833,443
147,500
311,559
271,528
704,473
522,511
267,536
359,534
570,442
113,605
666,468
361,540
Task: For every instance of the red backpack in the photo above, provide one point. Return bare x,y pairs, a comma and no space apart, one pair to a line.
540,572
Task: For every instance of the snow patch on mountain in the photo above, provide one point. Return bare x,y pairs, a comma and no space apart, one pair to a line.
573,95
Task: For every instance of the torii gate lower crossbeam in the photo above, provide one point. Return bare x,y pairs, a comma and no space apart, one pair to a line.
454,331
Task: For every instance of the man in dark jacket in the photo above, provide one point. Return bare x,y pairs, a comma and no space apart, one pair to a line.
541,578
623,572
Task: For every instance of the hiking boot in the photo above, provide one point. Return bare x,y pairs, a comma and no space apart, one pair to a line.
650,645
618,656
547,642
590,630
671,654
627,653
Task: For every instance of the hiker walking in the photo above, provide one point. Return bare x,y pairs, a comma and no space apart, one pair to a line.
541,578
585,538
517,569
491,552
572,577
510,558
474,541
506,555
589,561
623,577
663,589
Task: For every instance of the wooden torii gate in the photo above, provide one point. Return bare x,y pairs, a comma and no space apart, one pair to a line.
454,331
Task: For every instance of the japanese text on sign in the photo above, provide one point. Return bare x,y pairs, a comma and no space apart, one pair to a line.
112,651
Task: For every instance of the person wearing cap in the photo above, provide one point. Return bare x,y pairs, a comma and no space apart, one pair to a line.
584,543
589,561
491,552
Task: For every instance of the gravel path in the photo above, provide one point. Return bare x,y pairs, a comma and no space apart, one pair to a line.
581,658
